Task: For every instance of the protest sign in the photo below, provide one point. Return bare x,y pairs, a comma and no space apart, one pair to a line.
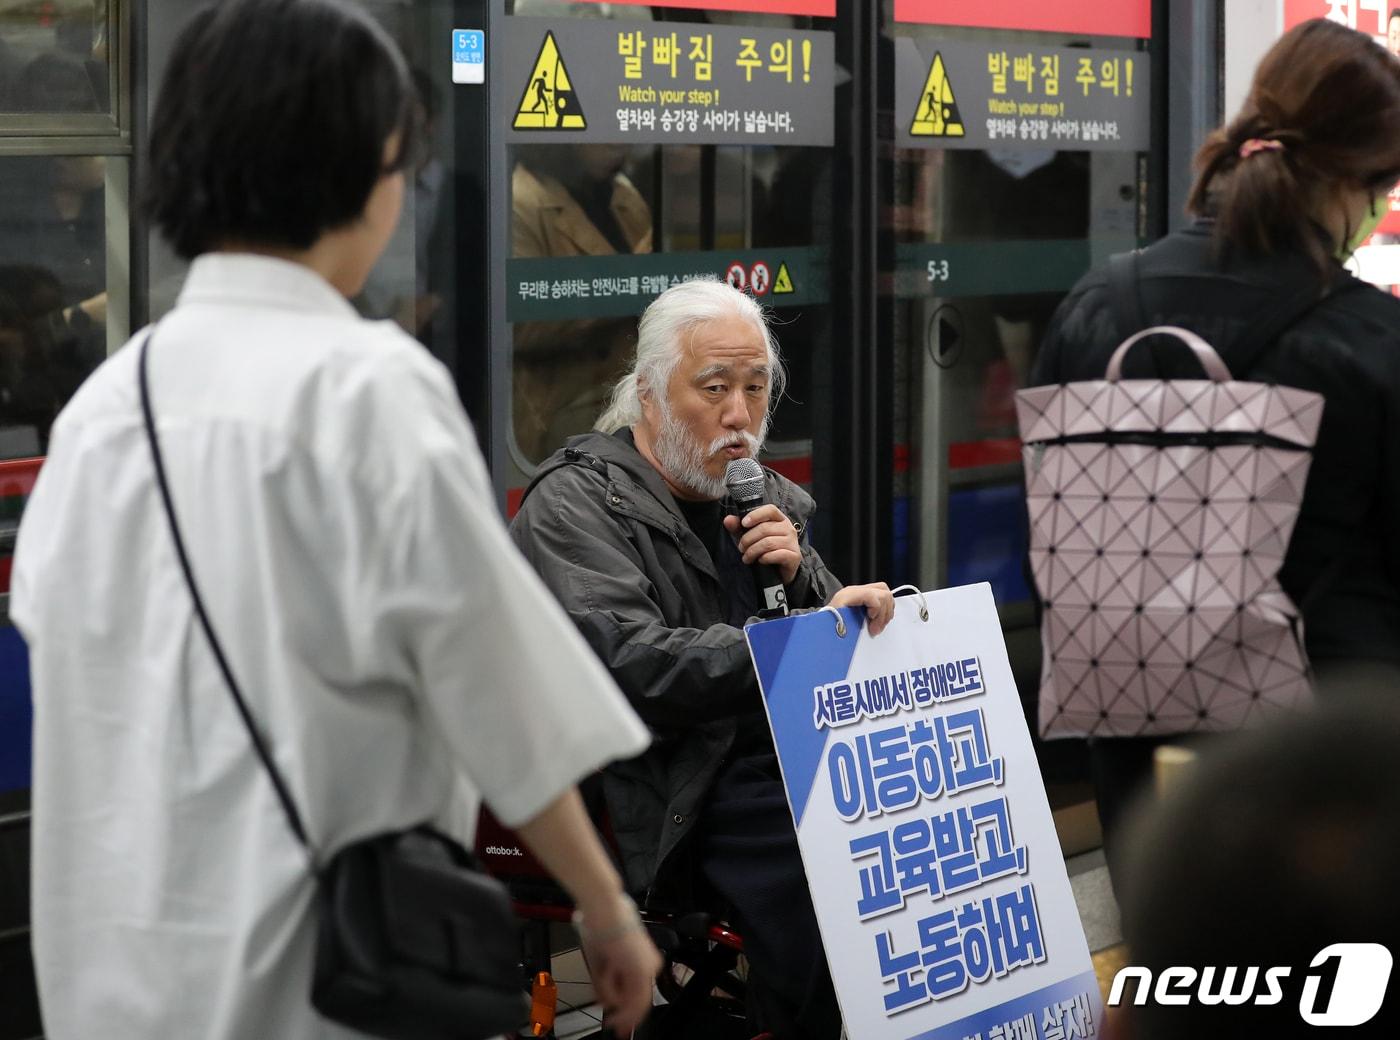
924,828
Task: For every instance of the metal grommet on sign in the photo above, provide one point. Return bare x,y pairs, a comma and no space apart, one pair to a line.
840,621
923,603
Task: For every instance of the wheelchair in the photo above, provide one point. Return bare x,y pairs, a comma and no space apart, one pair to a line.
704,991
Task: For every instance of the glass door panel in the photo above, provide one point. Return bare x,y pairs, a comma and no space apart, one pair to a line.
702,146
1020,160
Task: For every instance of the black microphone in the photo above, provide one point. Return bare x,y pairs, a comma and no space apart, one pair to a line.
743,479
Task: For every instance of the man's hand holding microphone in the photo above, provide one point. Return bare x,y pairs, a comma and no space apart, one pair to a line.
769,541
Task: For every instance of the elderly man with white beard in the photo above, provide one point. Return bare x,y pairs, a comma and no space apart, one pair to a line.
628,528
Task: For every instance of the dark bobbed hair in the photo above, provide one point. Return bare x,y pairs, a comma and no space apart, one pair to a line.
272,122
1331,96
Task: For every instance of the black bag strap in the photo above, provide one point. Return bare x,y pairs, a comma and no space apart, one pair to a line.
1282,311
1245,353
279,784
1125,293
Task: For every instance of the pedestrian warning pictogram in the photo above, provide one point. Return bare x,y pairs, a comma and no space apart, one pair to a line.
782,283
549,101
937,112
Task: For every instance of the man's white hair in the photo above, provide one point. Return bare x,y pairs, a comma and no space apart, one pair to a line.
661,336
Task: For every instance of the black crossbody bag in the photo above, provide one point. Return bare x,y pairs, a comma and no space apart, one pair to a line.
413,941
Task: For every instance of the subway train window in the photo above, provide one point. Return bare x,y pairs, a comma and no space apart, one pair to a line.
55,57
571,201
53,290
588,201
632,169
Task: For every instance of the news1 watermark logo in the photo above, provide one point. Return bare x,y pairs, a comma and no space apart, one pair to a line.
1343,986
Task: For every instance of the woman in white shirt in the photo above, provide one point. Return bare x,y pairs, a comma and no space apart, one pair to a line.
400,658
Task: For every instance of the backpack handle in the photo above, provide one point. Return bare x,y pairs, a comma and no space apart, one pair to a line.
1205,353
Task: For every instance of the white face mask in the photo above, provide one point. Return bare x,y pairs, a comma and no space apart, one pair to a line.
683,457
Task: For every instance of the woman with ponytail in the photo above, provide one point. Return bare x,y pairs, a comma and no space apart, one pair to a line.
1284,194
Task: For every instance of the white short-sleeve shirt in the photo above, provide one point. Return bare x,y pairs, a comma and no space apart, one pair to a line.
401,656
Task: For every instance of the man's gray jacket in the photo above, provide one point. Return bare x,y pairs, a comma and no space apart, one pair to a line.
600,525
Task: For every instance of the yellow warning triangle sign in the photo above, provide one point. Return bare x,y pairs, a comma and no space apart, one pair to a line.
783,283
936,114
549,101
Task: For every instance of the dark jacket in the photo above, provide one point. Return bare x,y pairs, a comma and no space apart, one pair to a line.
605,534
1343,563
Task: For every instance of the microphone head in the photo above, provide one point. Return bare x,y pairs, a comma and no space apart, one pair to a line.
743,479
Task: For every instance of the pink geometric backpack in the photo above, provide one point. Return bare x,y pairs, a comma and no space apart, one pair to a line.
1160,512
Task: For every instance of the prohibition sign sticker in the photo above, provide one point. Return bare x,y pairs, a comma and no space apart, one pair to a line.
736,276
759,278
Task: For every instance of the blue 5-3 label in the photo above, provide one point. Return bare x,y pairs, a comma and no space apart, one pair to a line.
468,56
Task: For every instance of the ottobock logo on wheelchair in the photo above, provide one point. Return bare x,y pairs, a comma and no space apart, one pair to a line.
504,850
1343,986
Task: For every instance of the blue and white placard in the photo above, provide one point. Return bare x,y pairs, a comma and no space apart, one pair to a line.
468,56
928,842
